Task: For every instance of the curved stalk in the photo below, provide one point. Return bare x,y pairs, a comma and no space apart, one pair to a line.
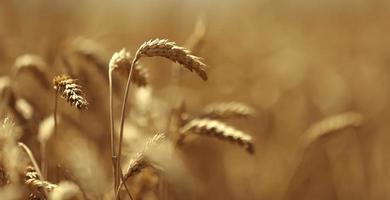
124,104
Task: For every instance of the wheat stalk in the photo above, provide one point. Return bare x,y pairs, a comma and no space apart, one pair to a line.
332,124
195,40
219,130
70,90
227,110
121,62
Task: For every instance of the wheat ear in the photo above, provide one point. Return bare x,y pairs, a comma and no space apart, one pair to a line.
33,64
34,182
217,129
91,52
139,161
332,124
70,90
121,62
167,49
227,110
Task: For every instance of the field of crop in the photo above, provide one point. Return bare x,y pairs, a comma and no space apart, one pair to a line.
187,100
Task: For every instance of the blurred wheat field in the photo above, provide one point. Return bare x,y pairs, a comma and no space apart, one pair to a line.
309,82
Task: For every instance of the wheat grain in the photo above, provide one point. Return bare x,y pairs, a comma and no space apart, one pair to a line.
331,125
121,62
167,49
227,110
70,90
217,129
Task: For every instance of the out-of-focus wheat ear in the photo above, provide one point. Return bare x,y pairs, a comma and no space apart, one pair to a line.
20,108
330,125
167,49
3,177
225,110
71,91
178,118
91,52
65,191
121,62
220,130
195,40
33,64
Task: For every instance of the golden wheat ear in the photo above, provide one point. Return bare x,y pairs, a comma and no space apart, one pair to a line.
167,49
121,62
330,125
220,130
225,110
70,90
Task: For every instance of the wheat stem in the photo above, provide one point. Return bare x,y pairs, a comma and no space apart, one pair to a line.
43,160
112,129
124,104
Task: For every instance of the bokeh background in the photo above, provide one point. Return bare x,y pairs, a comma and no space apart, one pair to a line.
295,62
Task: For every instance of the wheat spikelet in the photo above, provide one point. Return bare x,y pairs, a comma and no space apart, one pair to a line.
34,64
167,49
121,62
139,161
70,91
32,180
227,110
217,129
330,125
